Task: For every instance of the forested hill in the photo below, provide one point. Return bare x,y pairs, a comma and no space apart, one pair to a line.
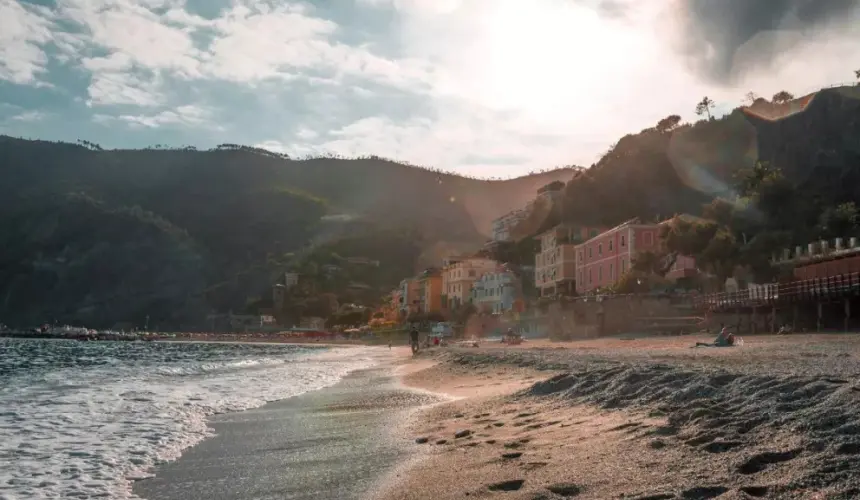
771,176
103,236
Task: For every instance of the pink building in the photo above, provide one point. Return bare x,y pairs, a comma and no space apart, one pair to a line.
602,260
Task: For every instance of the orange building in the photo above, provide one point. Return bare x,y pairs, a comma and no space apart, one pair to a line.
430,291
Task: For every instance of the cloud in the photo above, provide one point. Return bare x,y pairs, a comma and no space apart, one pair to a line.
187,115
260,43
421,6
30,116
112,88
481,142
23,32
133,34
488,87
726,39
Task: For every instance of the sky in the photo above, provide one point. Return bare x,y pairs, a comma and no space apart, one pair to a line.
487,88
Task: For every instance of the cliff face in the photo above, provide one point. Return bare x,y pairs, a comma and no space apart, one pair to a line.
183,232
816,142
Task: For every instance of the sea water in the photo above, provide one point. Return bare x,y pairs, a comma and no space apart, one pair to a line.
85,419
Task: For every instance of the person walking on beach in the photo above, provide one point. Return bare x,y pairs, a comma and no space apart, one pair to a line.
413,337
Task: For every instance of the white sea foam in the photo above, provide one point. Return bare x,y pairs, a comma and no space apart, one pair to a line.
88,431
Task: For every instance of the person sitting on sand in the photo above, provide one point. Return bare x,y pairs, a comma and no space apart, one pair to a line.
724,339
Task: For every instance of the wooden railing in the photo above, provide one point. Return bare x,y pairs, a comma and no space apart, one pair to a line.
802,291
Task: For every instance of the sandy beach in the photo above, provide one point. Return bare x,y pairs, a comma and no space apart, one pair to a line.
646,418
633,418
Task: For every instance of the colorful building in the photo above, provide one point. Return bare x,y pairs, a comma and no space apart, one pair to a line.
503,226
430,291
496,292
555,264
458,276
603,259
410,296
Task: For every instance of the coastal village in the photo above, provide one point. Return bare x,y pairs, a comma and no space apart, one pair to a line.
578,286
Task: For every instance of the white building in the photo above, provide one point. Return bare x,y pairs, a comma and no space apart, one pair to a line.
496,292
503,226
458,275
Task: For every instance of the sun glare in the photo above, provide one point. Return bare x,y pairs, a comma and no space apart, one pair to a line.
538,56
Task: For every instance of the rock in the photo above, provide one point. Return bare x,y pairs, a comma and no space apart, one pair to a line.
565,489
442,441
512,455
421,440
459,415
498,424
491,441
462,434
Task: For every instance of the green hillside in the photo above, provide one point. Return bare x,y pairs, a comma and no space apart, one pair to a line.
244,216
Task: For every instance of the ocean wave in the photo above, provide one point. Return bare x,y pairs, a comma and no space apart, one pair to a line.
89,428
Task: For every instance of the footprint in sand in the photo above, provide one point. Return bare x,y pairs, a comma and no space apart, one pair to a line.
565,489
512,485
758,463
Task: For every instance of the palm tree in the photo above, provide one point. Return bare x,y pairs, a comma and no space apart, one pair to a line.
705,106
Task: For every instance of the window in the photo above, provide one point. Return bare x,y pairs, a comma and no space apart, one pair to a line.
648,238
611,271
580,255
600,249
622,240
471,273
600,274
589,277
580,275
589,252
610,245
623,265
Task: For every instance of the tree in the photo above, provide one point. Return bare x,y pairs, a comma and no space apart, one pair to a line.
435,317
669,123
782,97
714,247
720,211
839,221
634,281
464,312
751,97
857,74
654,263
705,106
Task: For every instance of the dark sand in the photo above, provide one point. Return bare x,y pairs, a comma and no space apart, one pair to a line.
335,443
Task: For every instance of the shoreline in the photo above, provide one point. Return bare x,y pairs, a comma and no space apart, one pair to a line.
337,442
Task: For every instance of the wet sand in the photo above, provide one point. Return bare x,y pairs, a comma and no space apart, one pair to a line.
646,419
336,443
